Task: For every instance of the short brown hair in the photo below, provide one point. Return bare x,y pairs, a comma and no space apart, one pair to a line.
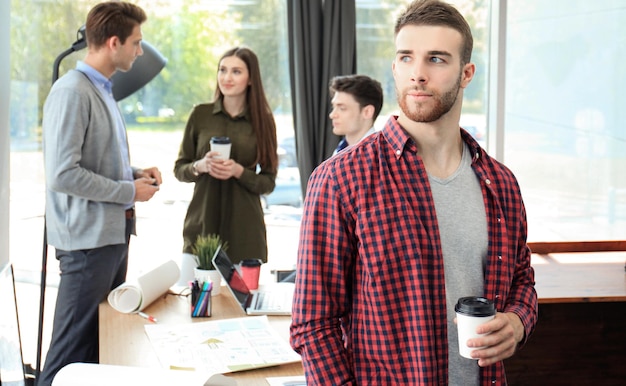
438,13
365,90
112,18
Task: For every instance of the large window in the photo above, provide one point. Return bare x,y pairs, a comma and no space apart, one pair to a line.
564,116
563,129
191,34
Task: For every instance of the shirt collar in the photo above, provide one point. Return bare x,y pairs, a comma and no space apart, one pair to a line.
218,107
475,149
95,76
401,141
397,137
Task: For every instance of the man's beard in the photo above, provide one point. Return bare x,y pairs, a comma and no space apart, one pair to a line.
418,112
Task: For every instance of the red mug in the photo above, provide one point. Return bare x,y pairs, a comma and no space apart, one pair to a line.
250,270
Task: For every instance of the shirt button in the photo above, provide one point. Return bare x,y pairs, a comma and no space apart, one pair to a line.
398,152
499,257
488,181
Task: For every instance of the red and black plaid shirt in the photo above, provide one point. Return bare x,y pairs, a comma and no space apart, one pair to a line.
370,304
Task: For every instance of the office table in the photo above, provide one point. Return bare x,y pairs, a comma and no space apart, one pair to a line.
574,279
123,340
579,337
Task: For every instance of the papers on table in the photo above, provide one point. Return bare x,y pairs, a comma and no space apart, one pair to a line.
136,295
220,346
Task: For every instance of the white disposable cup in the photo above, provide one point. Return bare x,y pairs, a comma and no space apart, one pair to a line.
187,264
221,145
471,312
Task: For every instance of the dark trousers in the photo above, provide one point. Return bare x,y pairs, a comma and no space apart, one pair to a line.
87,277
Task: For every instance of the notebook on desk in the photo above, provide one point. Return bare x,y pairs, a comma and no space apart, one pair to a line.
273,299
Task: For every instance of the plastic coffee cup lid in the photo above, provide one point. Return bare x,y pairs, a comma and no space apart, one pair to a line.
220,140
475,306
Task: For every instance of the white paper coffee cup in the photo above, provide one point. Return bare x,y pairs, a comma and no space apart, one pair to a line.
221,145
471,312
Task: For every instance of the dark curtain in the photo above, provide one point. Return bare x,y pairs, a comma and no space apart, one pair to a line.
322,44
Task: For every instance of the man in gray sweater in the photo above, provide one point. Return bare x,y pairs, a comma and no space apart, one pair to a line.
91,186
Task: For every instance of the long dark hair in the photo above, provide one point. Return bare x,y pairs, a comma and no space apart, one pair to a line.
261,115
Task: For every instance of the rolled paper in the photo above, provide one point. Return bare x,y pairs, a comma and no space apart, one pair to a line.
136,295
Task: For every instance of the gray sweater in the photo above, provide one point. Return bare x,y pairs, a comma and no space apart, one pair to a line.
85,193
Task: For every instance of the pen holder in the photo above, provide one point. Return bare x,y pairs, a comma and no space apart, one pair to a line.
201,302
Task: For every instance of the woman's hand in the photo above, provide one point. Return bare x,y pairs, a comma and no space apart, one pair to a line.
224,170
218,168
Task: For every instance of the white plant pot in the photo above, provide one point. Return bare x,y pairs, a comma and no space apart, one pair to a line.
211,275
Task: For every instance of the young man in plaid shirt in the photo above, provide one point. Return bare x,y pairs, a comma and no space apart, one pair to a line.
399,226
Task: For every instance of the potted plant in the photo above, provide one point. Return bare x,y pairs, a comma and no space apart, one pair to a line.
204,249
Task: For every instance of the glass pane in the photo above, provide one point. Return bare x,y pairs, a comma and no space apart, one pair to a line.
564,134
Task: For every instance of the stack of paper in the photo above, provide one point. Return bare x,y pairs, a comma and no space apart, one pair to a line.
220,346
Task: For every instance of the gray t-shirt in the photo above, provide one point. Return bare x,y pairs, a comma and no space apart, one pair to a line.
463,230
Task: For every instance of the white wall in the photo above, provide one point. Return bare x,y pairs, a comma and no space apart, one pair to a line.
5,76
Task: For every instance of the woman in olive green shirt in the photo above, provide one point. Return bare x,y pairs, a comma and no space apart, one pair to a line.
226,195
